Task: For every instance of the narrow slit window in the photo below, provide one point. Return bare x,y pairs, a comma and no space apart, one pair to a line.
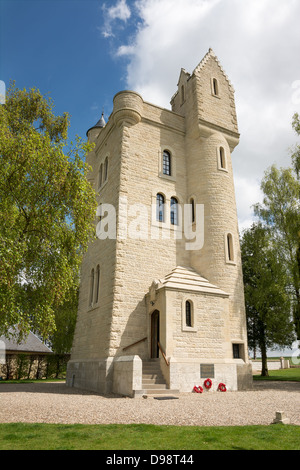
100,175
160,202
192,202
215,87
230,247
106,169
174,211
188,313
182,94
222,158
92,279
97,284
166,163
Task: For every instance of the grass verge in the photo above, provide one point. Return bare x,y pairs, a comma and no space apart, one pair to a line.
23,436
281,374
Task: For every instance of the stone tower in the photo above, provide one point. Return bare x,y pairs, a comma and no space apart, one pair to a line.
163,280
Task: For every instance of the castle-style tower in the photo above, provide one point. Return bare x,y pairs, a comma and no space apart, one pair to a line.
163,281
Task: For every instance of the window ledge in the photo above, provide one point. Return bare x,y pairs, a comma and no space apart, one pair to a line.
102,186
167,177
93,306
233,263
189,328
223,169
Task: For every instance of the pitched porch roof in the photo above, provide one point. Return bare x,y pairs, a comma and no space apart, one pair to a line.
186,278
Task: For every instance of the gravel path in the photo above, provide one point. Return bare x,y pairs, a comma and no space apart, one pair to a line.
56,403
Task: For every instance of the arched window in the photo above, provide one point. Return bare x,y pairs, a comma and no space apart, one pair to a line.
97,284
188,313
100,175
215,87
174,211
166,163
92,278
106,169
230,252
160,202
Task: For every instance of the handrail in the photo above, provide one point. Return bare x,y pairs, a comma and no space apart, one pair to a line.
163,354
137,342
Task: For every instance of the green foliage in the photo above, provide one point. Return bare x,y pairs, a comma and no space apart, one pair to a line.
47,209
65,315
267,301
280,211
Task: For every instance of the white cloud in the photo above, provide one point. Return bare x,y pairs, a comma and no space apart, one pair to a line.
249,193
120,11
258,44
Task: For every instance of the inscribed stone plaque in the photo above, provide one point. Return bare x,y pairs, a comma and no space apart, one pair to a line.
207,371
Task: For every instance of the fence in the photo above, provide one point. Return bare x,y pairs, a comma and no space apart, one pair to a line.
34,366
281,363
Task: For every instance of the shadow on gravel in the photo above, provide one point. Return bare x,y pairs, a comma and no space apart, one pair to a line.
288,386
48,387
62,389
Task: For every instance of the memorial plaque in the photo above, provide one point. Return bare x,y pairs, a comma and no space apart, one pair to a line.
207,371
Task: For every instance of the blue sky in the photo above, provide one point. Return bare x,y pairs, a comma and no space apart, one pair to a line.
57,47
82,52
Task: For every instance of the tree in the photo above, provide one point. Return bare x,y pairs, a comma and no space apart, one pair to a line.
267,302
296,150
65,321
296,164
47,210
280,212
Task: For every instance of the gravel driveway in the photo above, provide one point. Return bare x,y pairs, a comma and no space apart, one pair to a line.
56,403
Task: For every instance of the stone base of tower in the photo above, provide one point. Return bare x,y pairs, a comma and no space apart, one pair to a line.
184,374
120,375
92,375
123,375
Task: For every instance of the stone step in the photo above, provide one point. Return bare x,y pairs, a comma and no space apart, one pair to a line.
151,367
158,392
161,392
157,380
152,386
153,375
153,381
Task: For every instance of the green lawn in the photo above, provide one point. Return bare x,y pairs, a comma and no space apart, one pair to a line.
20,436
29,381
23,436
281,374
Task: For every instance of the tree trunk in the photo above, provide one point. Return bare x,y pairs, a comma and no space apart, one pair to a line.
264,365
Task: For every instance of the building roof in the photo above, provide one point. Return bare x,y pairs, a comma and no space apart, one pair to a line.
100,124
31,344
186,278
210,54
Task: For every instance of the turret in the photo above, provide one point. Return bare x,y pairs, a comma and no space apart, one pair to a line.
206,99
93,132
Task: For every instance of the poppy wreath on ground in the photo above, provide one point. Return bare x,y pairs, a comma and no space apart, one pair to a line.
198,389
207,383
222,387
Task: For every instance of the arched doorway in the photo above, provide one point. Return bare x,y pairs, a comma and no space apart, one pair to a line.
154,334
